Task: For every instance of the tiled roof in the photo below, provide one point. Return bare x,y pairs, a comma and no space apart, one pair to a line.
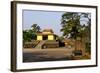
48,30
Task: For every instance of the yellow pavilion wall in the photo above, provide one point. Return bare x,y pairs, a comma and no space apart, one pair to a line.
39,37
50,37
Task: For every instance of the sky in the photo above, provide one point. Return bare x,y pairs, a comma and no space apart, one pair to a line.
45,19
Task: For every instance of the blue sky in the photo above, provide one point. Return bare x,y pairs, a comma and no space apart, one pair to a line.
45,19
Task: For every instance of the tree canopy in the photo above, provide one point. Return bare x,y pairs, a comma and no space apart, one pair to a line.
77,25
30,34
72,26
35,28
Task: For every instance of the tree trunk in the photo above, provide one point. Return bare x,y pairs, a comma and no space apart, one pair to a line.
83,46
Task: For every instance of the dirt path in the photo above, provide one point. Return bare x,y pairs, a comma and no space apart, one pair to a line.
30,55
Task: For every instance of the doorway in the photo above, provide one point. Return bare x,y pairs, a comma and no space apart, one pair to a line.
45,37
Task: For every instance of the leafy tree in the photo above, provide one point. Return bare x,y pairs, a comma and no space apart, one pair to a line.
27,36
72,26
30,34
35,28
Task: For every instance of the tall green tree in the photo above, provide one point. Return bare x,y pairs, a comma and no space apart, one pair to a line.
35,28
72,26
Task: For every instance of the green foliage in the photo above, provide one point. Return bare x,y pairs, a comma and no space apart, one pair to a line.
60,38
88,47
30,34
71,25
35,28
